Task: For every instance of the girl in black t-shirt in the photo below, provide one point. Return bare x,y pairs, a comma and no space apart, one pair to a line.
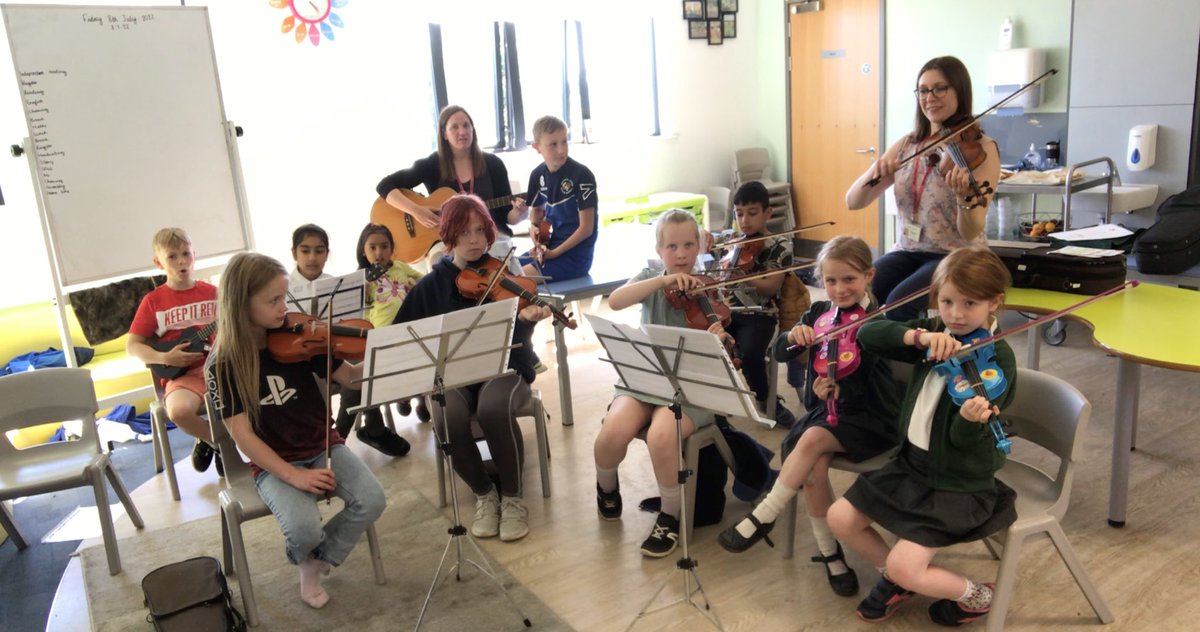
275,413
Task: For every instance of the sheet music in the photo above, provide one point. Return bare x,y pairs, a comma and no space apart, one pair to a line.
312,297
703,370
476,345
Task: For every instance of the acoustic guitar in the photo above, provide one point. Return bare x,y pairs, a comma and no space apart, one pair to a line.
197,341
414,241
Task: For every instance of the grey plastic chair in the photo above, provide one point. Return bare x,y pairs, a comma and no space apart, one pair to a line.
1054,415
48,395
700,439
241,503
533,408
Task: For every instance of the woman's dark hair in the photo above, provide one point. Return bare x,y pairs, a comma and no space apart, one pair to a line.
367,231
299,234
959,79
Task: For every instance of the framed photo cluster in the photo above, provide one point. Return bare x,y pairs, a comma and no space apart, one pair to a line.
712,20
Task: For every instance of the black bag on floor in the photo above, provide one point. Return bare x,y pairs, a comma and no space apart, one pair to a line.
1035,268
190,596
1172,244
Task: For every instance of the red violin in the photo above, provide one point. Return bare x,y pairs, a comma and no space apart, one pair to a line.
741,257
541,238
702,311
839,355
965,151
302,337
489,279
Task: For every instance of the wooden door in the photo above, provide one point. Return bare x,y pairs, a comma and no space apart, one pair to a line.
836,79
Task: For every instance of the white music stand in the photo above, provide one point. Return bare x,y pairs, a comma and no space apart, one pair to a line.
686,367
429,357
348,294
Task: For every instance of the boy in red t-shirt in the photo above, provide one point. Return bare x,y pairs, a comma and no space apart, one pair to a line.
164,314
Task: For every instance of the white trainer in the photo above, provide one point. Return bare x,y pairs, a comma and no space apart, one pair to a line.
514,520
487,516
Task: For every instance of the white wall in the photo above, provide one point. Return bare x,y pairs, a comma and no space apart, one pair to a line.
324,123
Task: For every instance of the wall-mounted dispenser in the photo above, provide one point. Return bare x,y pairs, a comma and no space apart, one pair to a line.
1142,141
1008,70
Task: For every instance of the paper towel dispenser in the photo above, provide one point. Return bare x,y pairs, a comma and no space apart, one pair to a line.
1008,70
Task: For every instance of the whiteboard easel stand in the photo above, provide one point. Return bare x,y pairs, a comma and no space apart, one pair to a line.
61,300
497,336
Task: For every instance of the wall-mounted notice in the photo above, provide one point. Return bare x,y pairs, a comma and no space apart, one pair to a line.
124,110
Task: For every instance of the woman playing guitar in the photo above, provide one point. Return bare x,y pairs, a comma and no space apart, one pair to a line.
459,165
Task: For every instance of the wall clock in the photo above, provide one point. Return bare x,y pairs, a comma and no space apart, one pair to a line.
310,19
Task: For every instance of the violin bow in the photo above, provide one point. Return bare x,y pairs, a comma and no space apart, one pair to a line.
966,349
696,291
739,242
971,121
879,311
328,309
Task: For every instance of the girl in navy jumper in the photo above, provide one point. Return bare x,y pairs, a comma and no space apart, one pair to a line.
941,488
468,231
867,403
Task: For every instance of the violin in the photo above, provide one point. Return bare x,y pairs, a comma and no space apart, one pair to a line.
839,355
489,279
541,238
302,337
976,373
702,311
968,153
741,257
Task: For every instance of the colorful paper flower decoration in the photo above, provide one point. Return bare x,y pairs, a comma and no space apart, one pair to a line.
310,19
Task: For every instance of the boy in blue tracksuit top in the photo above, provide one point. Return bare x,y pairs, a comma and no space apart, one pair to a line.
562,192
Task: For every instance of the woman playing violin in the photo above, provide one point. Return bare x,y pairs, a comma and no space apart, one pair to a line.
754,325
941,488
938,209
867,403
275,412
678,245
467,229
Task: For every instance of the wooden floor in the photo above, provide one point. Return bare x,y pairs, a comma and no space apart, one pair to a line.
591,573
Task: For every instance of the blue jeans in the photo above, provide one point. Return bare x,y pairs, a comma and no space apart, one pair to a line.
900,273
296,510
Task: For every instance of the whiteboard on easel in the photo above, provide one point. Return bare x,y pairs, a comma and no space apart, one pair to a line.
128,131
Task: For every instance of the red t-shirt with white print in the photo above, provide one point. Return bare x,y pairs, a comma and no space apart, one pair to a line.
165,313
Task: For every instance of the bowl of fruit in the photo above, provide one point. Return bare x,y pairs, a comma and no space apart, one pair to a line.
1039,229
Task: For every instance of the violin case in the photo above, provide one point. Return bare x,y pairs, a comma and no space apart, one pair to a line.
1038,269
1172,244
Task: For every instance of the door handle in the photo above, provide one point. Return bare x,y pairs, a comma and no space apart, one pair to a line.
868,150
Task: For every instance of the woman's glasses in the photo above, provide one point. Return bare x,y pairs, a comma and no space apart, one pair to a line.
938,91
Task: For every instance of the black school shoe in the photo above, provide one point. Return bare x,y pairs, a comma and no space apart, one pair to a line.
387,442
217,463
663,536
405,407
881,603
202,455
950,613
845,584
732,541
608,504
423,411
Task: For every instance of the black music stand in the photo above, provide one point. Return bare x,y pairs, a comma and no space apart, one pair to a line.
685,367
429,357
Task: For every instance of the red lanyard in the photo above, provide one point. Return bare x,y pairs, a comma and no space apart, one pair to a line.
918,193
470,191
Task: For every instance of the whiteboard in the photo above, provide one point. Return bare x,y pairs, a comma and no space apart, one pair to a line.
123,106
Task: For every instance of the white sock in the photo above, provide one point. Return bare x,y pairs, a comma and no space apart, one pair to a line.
827,544
670,500
883,572
606,478
976,596
769,509
310,583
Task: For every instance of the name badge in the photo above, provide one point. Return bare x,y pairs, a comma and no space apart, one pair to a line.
912,232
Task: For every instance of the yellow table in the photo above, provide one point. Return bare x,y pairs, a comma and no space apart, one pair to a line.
1148,324
645,208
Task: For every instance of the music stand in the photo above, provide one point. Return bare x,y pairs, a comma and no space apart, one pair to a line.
347,293
685,367
431,356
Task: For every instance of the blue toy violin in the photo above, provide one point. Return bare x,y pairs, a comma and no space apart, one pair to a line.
977,373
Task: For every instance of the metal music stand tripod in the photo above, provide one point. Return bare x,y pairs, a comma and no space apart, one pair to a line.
686,367
431,356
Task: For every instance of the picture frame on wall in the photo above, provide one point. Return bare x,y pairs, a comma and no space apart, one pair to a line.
712,9
697,29
714,32
728,25
693,9
729,6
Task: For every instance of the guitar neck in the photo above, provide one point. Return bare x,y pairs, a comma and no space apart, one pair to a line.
501,201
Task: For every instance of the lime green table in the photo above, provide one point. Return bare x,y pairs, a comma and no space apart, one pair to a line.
645,208
1148,324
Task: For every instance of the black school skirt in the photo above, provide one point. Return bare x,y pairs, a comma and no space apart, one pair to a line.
860,436
897,498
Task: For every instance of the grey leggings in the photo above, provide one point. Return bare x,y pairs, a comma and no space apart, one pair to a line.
493,404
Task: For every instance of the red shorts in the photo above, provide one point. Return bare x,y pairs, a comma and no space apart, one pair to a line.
192,381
